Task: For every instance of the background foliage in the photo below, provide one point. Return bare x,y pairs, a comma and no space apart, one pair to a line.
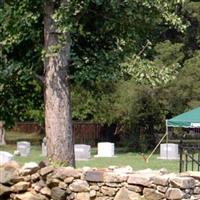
133,63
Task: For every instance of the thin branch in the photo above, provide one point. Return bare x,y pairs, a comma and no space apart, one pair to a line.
40,79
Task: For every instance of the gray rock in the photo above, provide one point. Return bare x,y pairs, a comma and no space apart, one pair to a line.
27,178
94,176
62,185
83,196
71,196
16,153
108,191
30,196
64,172
79,186
36,187
103,198
8,174
69,180
134,188
45,191
58,193
162,189
46,170
123,170
139,179
35,176
197,190
152,194
160,180
125,194
29,168
52,182
114,185
111,177
183,182
174,193
21,186
94,187
92,193
41,183
4,190
195,197
194,174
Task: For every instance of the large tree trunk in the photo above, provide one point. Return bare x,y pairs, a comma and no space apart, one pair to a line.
2,133
58,122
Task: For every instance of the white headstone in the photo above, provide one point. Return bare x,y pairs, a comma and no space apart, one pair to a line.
82,151
5,157
44,147
169,151
24,148
106,149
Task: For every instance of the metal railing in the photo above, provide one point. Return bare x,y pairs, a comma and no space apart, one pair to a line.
189,157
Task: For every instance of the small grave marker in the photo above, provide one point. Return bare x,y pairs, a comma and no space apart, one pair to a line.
44,147
82,151
5,157
24,148
106,149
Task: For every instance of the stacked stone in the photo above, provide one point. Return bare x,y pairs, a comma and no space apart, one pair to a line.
67,183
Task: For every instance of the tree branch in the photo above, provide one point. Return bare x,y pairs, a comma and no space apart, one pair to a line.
40,79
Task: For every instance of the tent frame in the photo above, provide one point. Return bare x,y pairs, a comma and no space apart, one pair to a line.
195,123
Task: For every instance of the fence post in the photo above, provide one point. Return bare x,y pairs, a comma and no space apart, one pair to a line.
181,156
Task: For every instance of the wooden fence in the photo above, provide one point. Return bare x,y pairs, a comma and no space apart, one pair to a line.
84,132
27,127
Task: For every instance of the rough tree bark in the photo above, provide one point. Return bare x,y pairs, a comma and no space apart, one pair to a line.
58,122
2,133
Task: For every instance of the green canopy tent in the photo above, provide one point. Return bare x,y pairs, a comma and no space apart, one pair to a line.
190,119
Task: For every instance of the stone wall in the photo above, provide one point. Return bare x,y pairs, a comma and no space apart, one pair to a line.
66,183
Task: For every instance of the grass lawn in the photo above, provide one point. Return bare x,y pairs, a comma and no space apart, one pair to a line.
34,156
135,160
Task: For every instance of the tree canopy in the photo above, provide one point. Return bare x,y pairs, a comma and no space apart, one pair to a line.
150,46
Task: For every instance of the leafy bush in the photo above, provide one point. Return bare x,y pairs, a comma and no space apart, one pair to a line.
139,114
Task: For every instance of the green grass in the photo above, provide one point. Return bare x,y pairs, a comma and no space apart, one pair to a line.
135,160
34,156
34,138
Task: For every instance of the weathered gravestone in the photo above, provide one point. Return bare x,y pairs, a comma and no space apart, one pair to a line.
24,148
82,151
169,151
44,147
5,157
2,133
106,149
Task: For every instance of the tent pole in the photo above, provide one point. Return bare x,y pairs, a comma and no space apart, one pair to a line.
167,138
147,159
